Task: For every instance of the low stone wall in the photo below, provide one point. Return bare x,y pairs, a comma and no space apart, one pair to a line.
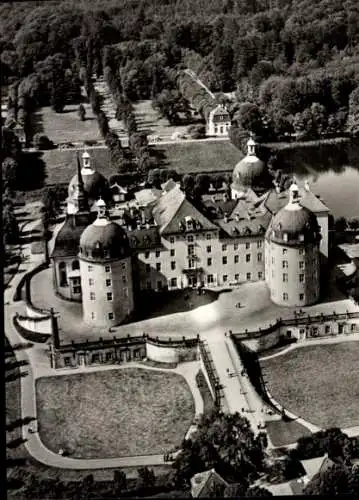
300,328
123,350
171,351
42,325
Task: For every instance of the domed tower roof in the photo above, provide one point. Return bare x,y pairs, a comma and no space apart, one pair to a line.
94,183
294,224
250,171
103,240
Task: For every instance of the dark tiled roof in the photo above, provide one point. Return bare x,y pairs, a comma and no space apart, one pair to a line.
68,238
144,239
275,201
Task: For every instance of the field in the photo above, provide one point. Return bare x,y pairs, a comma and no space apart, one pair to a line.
150,121
67,126
114,413
200,156
318,383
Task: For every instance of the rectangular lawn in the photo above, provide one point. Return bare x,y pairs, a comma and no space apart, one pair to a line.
319,383
114,413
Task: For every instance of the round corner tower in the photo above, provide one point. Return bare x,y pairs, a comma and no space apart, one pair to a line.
292,265
106,272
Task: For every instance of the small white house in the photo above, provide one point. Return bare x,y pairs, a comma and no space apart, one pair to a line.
219,122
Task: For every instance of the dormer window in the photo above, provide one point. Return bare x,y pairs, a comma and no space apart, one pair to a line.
285,236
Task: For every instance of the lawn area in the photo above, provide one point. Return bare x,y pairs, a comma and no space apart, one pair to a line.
150,120
114,413
67,126
200,156
61,163
318,383
283,433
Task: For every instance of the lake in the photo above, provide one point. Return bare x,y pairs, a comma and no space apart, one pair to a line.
332,171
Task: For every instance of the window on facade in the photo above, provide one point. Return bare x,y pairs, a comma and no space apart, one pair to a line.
172,239
108,282
285,251
125,291
248,276
208,236
92,296
93,315
190,238
259,244
147,254
173,282
172,252
301,251
236,277
259,257
67,361
301,296
301,278
260,275
148,268
159,285
96,357
301,264
225,278
224,260
109,355
90,268
109,296
173,265
77,289
327,329
285,278
190,249
107,269
91,282
210,278
191,263
284,264
123,266
248,257
236,259
224,247
158,253
209,249
285,296
209,261
110,316
158,266
353,327
75,265
248,246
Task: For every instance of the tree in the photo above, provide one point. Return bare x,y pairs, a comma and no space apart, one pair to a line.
10,227
197,131
146,478
202,183
82,112
170,103
154,178
341,225
332,481
13,371
249,118
188,183
257,491
224,442
120,481
9,168
353,113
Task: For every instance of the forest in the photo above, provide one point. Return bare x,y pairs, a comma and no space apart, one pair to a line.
290,66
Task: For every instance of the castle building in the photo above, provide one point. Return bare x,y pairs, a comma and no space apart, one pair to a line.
176,242
219,122
292,254
106,272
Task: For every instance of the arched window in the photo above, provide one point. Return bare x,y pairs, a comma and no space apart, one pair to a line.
63,274
75,265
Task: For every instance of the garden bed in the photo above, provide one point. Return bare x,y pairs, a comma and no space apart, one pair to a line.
114,413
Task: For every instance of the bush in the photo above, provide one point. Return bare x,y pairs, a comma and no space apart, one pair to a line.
42,142
196,131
